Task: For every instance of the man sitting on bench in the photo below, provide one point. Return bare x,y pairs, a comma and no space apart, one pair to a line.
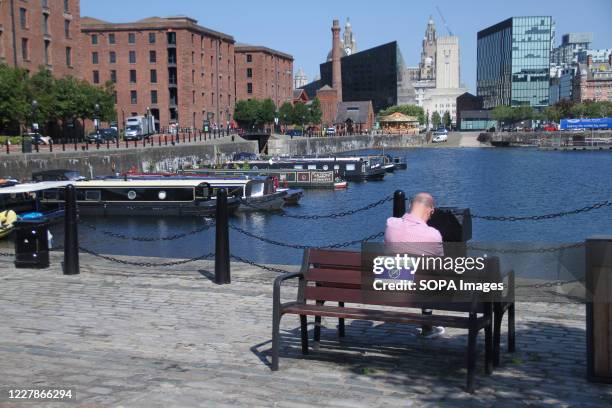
413,228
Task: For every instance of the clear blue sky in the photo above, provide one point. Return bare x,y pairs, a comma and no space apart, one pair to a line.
302,28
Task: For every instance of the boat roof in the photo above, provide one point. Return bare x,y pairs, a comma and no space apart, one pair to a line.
140,183
33,187
305,159
232,182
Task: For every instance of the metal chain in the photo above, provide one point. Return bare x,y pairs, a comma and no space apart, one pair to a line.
149,239
332,215
549,284
526,251
299,246
607,203
147,264
6,254
261,266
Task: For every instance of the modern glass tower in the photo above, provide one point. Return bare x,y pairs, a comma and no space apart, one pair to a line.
513,62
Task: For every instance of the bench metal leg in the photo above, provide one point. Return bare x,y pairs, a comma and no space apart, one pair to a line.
511,334
498,315
471,358
489,349
275,339
317,328
341,322
304,332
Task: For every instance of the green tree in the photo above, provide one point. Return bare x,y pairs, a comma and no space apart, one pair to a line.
300,114
315,112
446,120
266,112
435,119
285,113
41,87
503,114
14,104
552,113
245,113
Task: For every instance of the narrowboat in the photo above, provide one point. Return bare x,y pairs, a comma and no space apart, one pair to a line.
150,197
349,168
254,193
398,162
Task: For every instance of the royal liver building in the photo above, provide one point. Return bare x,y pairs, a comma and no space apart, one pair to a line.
435,83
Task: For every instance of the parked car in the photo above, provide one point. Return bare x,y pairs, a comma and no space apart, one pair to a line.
439,138
294,132
37,139
103,135
330,131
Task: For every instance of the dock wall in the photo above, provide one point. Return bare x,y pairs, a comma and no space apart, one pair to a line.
331,145
103,161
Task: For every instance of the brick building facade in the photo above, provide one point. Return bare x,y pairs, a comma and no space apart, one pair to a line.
182,72
263,73
40,33
593,81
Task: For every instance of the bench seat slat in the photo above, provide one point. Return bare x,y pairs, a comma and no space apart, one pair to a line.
382,315
334,275
339,259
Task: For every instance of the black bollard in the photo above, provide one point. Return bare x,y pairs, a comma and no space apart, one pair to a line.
399,204
71,239
222,253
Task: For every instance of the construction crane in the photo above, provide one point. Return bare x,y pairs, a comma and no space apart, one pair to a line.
444,21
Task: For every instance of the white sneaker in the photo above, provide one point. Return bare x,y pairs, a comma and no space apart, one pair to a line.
436,331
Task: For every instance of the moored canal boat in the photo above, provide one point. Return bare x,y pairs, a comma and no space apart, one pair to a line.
149,197
351,168
254,193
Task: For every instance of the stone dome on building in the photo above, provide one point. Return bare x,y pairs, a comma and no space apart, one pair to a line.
343,54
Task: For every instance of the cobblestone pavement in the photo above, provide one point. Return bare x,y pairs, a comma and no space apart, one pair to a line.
128,337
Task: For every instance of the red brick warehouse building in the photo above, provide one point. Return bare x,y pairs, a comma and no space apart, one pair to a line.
263,73
182,72
40,33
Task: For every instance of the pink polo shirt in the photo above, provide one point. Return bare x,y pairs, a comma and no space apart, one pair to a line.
411,229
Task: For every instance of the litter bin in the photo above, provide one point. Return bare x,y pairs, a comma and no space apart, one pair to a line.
598,284
26,145
32,244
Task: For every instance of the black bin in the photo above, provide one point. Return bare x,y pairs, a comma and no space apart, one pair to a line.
31,244
26,146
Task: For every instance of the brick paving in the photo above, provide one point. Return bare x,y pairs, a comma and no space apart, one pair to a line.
128,337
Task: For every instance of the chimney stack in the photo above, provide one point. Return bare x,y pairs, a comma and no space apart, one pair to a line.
336,55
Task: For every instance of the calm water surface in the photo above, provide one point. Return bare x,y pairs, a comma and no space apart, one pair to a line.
488,181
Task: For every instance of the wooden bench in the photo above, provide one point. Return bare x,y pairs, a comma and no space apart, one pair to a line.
335,276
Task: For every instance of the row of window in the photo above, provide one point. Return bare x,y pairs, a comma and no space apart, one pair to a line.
112,57
113,76
25,52
24,23
131,38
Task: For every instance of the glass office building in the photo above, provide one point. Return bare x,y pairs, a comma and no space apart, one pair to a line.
513,62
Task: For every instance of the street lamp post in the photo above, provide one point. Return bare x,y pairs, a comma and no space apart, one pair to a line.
34,125
227,115
97,117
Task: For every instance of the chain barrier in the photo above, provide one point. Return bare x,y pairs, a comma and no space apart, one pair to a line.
299,246
117,235
6,254
541,250
146,264
332,215
602,204
549,284
261,266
